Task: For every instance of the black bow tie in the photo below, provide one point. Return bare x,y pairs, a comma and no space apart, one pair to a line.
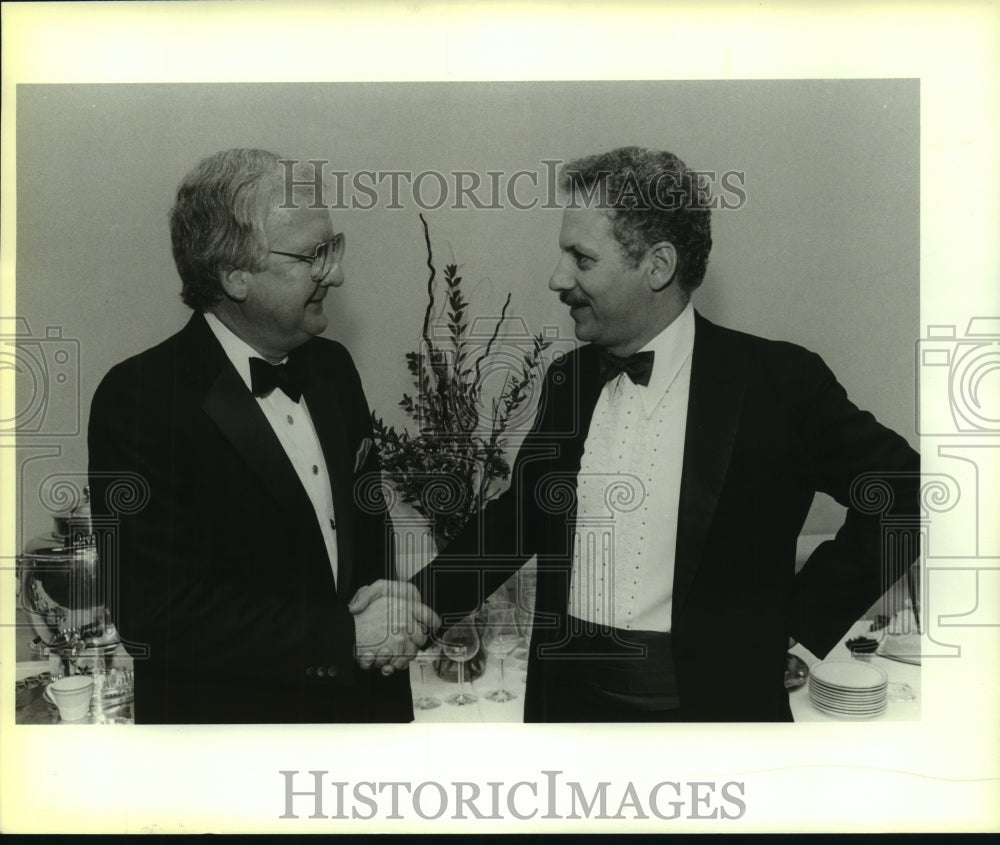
638,366
266,377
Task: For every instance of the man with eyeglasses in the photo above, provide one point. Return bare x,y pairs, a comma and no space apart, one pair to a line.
242,439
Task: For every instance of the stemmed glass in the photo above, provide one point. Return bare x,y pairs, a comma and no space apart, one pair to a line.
459,644
424,659
500,639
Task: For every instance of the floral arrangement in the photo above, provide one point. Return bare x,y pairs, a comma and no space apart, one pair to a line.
455,462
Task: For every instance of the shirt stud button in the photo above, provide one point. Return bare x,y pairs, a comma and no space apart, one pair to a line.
290,420
315,470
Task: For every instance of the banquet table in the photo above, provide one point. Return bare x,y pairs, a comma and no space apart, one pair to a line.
483,710
34,709
904,682
487,711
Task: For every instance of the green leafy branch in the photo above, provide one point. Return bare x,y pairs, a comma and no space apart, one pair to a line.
455,462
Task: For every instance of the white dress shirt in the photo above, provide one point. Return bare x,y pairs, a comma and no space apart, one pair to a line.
628,491
295,431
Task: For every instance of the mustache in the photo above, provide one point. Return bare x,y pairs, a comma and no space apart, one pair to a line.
571,299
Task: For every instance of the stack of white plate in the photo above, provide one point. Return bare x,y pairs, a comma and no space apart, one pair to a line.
848,689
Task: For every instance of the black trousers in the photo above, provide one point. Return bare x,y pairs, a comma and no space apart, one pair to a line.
602,674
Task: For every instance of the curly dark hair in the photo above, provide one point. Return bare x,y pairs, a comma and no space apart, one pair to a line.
217,222
649,196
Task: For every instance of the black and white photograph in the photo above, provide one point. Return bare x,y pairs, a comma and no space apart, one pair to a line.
417,453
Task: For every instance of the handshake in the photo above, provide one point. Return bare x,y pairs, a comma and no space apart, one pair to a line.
391,624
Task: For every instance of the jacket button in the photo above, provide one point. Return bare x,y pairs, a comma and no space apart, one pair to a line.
310,671
331,671
320,672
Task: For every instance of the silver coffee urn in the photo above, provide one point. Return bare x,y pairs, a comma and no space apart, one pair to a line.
65,594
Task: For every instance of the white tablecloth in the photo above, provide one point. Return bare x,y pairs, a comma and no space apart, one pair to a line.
513,711
483,710
487,711
899,673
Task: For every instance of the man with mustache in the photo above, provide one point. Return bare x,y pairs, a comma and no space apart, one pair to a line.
667,477
243,437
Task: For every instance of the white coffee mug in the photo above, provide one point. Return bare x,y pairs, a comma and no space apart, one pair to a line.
72,696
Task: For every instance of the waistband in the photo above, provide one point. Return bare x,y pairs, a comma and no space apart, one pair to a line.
612,668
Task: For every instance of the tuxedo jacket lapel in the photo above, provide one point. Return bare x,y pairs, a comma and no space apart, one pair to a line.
575,416
321,393
718,385
239,418
590,392
570,414
589,386
715,401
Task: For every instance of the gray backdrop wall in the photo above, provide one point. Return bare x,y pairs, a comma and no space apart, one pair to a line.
824,252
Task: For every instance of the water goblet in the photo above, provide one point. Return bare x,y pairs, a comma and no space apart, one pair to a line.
424,659
500,639
459,644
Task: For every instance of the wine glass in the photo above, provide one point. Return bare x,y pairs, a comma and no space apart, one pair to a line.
500,639
424,659
459,644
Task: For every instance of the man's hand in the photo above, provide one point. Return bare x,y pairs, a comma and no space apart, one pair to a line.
390,624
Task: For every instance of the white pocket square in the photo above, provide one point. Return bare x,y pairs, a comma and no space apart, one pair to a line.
362,454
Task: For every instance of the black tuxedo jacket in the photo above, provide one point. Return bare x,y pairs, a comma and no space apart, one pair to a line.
221,570
767,426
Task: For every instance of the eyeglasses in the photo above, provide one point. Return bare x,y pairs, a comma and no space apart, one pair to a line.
323,260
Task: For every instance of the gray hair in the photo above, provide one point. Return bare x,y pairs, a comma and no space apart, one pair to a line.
217,223
649,196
